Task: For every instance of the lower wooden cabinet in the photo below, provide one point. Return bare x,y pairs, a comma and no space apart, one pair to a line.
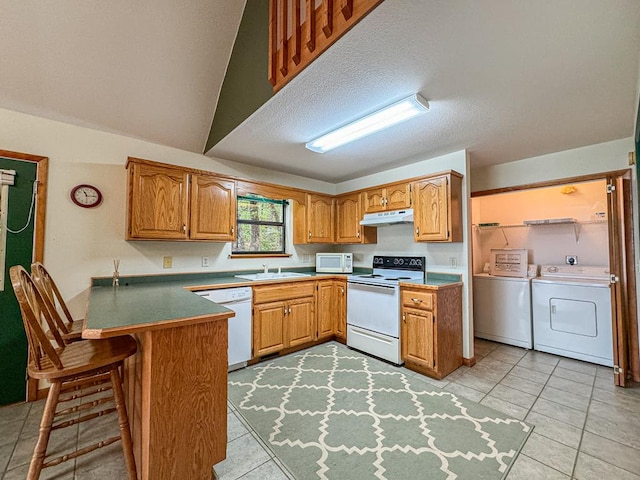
431,335
283,316
331,309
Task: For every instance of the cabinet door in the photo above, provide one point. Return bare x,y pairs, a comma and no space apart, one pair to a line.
320,218
300,321
417,337
398,196
158,206
269,328
325,308
213,208
374,200
340,295
431,210
348,219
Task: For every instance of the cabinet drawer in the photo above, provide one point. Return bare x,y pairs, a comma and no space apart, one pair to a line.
417,299
282,291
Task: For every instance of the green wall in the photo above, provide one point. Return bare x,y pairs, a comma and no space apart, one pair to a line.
245,87
13,342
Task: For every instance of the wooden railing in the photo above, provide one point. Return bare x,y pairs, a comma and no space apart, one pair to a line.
300,30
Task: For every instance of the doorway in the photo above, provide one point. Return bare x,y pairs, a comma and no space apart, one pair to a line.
24,244
614,214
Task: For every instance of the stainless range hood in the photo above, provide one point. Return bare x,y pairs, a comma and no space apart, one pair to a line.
393,217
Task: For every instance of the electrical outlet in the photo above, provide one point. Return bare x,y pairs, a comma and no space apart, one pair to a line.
205,261
571,259
167,262
453,262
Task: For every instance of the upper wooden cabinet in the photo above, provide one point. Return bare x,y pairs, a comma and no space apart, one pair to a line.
213,208
158,203
348,216
313,220
437,208
172,203
395,196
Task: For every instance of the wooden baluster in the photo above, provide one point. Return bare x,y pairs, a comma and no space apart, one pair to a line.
295,33
283,52
310,14
326,16
273,41
346,8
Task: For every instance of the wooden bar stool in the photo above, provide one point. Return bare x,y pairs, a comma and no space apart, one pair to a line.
75,371
70,330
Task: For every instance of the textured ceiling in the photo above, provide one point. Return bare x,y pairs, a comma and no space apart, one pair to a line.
505,79
150,69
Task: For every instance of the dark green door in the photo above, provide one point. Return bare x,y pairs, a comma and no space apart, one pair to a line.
13,342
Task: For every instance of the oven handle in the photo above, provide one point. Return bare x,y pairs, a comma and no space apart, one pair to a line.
370,285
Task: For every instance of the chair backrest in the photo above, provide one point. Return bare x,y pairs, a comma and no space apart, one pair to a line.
37,311
48,287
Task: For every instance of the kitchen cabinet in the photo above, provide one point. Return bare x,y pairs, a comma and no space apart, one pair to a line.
313,220
438,208
331,309
283,316
431,336
349,212
172,203
395,196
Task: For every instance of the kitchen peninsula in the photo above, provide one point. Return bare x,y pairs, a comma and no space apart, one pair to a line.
177,382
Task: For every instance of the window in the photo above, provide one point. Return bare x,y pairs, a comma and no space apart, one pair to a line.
260,225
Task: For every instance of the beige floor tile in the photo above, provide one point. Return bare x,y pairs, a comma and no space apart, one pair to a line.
551,453
464,391
574,376
526,468
528,374
624,432
521,384
507,408
578,366
554,429
244,454
538,366
604,372
570,386
618,398
267,471
512,395
611,452
507,357
559,412
235,427
565,398
476,382
591,468
542,357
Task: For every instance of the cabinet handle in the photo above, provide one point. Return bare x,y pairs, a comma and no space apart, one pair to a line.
289,311
284,310
404,318
416,300
232,230
342,290
358,234
309,234
417,230
184,227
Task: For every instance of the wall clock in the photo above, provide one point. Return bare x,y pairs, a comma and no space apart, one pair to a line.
86,196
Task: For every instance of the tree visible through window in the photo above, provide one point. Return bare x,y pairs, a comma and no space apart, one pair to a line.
260,225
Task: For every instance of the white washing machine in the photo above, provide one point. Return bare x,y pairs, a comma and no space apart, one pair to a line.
572,312
502,309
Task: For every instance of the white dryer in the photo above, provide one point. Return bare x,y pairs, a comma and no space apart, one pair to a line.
571,307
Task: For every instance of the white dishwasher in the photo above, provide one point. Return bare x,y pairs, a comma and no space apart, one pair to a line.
238,300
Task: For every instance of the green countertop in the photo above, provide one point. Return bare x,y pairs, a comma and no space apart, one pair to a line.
145,302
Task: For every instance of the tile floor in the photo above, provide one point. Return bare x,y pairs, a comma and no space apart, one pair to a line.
585,428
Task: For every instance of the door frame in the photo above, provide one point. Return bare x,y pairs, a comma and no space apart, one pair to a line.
42,173
622,257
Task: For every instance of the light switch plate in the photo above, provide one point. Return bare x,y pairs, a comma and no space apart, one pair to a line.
205,261
167,262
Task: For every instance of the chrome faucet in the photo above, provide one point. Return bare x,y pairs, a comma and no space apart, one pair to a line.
266,268
279,270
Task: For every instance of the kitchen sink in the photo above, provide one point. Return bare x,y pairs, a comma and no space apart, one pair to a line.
272,275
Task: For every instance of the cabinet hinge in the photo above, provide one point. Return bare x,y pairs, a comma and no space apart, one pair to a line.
611,188
613,278
617,370
632,158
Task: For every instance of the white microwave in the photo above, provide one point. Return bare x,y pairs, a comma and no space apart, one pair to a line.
334,262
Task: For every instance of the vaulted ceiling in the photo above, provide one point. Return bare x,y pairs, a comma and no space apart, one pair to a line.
505,79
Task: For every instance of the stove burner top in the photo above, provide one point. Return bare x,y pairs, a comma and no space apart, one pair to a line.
373,275
397,278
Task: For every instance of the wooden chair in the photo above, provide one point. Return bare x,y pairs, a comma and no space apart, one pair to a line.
70,330
77,372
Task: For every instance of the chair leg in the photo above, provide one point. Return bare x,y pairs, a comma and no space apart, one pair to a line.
40,450
125,432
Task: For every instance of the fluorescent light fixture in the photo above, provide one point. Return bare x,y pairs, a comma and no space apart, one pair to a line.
390,115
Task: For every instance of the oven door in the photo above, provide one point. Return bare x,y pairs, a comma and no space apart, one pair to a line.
374,307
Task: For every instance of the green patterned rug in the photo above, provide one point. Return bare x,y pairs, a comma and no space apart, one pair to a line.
332,413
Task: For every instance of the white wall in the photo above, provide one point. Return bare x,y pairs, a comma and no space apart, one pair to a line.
398,239
81,243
